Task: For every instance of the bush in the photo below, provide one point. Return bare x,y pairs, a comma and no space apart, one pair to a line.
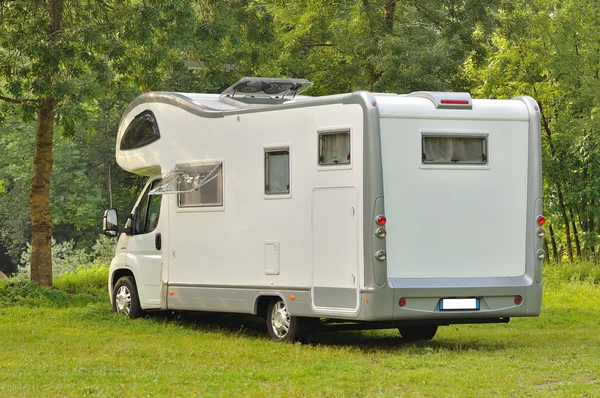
103,250
575,272
18,291
84,286
91,279
65,258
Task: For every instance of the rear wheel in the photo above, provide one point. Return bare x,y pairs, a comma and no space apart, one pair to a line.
281,325
125,298
416,333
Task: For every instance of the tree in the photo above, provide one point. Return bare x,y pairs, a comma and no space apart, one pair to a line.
56,60
549,49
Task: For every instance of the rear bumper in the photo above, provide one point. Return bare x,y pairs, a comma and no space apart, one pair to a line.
422,297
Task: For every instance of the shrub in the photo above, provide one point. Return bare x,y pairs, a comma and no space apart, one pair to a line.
18,291
103,250
575,272
91,279
65,258
84,286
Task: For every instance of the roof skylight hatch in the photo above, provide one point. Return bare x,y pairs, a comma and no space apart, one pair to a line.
276,89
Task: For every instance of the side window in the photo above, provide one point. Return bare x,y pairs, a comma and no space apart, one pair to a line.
142,130
277,171
147,213
334,148
207,182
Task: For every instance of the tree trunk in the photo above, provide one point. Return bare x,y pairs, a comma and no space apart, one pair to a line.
553,241
575,234
388,16
39,196
547,250
563,212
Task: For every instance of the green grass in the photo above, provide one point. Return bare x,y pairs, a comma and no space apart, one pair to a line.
84,349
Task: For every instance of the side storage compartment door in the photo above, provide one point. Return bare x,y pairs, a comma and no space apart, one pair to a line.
335,250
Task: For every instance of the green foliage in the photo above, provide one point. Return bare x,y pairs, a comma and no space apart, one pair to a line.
549,50
65,258
91,279
587,272
20,292
81,287
103,250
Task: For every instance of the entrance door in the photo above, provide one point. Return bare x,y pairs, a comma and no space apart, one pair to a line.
335,249
144,248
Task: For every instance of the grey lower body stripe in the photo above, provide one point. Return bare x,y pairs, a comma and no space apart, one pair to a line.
244,287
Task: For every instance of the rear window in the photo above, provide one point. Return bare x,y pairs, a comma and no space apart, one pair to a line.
439,149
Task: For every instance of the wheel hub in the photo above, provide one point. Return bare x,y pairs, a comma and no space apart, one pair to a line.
123,300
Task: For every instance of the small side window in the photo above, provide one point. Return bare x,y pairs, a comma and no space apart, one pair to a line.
454,150
142,130
207,183
277,171
334,148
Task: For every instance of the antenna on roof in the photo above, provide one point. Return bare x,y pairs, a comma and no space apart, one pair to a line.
265,87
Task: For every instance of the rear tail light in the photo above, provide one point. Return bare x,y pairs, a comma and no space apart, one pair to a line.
380,220
541,220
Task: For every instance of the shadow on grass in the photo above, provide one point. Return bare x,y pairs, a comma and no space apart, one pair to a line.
364,340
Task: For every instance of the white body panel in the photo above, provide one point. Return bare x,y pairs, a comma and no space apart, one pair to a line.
226,245
452,220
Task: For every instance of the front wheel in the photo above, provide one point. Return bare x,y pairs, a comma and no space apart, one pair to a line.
125,298
416,333
282,327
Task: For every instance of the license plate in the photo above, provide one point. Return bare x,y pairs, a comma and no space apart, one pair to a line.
459,304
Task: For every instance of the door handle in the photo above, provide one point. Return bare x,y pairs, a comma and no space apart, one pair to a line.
158,241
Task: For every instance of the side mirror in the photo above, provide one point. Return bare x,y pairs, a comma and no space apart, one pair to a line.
110,225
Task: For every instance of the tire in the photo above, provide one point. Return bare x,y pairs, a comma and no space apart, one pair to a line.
282,327
126,301
416,333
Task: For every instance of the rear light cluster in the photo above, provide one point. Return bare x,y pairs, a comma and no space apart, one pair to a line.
380,232
541,254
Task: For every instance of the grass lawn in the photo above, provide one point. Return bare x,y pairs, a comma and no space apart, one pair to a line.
87,350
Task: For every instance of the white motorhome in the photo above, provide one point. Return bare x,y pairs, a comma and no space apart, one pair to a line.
360,210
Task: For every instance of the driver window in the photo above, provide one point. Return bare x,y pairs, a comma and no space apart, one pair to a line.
148,211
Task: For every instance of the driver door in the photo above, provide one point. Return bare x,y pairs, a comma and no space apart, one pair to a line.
144,252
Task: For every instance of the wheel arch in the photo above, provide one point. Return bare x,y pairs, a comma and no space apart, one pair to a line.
118,274
262,302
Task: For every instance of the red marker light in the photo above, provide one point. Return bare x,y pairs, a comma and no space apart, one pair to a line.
541,220
381,220
518,300
454,102
402,302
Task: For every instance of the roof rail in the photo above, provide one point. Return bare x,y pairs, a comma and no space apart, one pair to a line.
259,89
446,100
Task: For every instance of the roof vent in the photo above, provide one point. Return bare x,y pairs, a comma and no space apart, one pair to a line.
265,87
443,100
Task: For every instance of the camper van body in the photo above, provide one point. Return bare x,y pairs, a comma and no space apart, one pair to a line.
383,236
